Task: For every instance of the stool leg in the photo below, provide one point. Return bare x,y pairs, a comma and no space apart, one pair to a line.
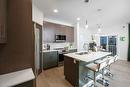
102,73
94,79
109,67
109,73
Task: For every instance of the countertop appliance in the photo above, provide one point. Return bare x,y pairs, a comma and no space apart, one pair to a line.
60,38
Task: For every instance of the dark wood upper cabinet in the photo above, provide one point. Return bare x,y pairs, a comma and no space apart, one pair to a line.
51,29
70,34
3,24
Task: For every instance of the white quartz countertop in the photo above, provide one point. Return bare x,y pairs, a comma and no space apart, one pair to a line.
88,57
49,50
15,78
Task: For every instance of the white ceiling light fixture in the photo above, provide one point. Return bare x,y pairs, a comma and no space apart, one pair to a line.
99,28
99,25
78,19
86,25
55,10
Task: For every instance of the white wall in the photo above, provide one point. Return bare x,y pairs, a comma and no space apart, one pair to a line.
76,34
122,48
82,36
37,15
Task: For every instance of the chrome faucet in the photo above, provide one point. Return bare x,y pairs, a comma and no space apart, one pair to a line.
85,46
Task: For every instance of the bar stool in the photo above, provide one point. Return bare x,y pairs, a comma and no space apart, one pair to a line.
111,60
116,57
96,68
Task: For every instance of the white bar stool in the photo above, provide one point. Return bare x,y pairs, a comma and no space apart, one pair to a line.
111,60
96,68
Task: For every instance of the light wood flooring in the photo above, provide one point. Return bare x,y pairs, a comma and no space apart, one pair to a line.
55,77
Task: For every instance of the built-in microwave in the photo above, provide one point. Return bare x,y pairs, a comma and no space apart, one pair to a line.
60,38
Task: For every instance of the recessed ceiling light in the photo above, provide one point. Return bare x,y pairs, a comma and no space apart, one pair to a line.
55,11
78,19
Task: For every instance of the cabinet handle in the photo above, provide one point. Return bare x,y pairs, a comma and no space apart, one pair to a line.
74,61
4,32
0,32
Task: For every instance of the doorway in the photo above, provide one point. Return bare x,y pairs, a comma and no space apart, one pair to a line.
103,42
112,45
109,43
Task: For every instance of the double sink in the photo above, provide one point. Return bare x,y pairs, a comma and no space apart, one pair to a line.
82,53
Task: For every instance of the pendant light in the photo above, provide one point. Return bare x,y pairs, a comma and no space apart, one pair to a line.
99,28
86,25
99,25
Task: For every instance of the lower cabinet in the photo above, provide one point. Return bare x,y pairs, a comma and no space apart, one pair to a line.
71,71
61,56
50,59
26,84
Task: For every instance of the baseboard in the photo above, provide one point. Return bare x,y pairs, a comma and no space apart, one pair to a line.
122,59
39,71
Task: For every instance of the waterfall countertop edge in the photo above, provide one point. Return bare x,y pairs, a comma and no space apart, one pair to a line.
16,78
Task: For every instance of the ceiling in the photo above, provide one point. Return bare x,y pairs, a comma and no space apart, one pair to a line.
112,12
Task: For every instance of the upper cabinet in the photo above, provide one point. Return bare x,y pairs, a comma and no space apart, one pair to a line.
70,34
52,29
3,37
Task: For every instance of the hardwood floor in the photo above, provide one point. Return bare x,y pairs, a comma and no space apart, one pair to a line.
52,78
55,77
121,70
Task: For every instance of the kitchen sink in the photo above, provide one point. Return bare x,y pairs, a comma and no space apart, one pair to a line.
82,53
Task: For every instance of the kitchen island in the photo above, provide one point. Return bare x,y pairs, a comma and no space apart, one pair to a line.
74,66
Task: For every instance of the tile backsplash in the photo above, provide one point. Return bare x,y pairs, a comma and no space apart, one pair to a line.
60,45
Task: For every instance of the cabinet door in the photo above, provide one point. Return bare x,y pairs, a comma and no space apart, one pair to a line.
50,59
71,71
53,59
46,60
70,34
26,84
2,21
